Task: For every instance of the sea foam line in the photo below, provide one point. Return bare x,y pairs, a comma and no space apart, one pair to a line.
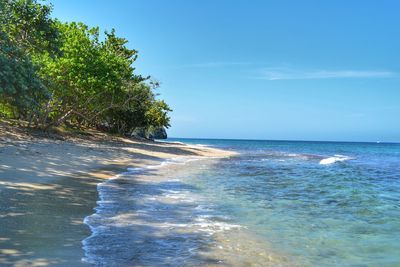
335,158
102,199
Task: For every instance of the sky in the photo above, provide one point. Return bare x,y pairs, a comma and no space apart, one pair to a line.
275,70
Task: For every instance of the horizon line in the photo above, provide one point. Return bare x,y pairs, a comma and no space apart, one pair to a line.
286,140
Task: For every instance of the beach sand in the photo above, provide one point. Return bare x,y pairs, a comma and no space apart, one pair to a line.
48,186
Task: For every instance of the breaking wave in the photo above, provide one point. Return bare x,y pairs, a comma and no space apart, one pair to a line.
334,159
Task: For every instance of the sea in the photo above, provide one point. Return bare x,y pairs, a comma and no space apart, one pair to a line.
275,203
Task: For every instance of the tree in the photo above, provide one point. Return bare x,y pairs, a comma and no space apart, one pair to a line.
91,76
53,72
28,24
25,29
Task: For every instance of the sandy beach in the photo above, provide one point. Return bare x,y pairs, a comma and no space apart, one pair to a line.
48,186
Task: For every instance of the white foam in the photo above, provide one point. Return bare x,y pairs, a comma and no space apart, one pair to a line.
335,158
176,160
202,145
174,180
102,189
170,142
104,217
134,169
204,223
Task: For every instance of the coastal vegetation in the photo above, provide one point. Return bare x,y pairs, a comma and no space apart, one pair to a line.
66,73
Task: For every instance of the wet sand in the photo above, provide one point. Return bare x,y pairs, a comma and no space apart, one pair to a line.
48,186
157,217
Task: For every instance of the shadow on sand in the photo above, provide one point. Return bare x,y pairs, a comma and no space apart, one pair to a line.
44,200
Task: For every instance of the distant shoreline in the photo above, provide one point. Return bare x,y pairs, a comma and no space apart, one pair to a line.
48,186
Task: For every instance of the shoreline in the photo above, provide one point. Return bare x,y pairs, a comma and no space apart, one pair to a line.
151,210
48,186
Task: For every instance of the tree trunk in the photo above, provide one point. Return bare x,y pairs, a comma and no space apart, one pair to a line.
60,120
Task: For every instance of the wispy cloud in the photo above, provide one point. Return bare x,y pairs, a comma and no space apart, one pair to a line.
272,74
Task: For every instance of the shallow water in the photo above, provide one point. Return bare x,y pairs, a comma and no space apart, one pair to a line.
275,204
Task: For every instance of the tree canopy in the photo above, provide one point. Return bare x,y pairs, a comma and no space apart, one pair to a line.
53,73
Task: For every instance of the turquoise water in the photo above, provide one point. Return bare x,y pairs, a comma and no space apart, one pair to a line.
344,213
277,203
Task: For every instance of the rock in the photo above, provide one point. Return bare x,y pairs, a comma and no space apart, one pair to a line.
139,132
157,133
150,133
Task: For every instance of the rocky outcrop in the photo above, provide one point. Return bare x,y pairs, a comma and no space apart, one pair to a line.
157,133
139,133
150,133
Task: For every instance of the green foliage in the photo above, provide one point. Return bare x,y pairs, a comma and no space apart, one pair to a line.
28,24
25,28
19,84
53,72
157,114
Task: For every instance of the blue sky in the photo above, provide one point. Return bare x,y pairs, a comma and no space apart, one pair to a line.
298,70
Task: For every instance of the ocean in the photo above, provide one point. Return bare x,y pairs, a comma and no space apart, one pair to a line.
276,203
